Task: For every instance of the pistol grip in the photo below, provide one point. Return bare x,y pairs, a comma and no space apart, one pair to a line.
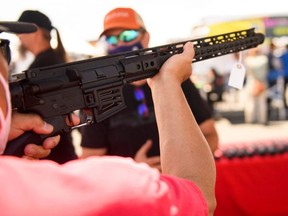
16,146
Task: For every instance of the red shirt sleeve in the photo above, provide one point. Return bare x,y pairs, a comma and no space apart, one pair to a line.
186,197
94,186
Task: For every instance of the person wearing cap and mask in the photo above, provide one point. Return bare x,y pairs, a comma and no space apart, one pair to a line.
106,185
20,122
38,43
133,132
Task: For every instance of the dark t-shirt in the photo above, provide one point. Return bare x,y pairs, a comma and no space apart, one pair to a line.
64,151
124,133
46,58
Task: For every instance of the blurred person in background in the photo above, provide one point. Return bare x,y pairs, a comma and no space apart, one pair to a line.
274,78
255,110
39,44
216,88
133,132
284,63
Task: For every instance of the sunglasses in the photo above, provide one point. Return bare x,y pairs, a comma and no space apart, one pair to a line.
5,49
124,36
142,107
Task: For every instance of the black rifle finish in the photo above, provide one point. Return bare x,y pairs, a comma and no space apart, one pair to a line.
96,84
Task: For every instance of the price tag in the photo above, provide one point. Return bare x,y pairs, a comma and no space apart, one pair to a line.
237,75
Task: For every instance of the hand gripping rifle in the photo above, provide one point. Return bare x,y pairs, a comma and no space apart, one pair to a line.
96,84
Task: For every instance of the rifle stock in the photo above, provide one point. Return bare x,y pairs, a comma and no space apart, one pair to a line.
96,84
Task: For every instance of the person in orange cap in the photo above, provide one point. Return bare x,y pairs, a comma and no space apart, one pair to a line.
124,30
133,132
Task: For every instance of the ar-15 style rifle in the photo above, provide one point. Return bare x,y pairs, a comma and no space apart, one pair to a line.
96,84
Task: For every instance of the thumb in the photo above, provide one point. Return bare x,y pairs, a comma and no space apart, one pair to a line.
44,128
189,50
21,123
33,122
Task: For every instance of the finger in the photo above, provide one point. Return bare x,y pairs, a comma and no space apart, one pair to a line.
45,128
145,147
27,122
36,151
33,122
36,123
29,158
153,160
157,166
189,50
72,120
51,142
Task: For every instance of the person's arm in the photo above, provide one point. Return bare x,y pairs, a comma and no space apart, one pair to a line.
142,156
210,133
185,152
202,113
88,152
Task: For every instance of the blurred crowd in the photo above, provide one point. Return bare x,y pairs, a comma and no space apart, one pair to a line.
264,94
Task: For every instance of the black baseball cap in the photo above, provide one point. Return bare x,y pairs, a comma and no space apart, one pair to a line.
17,27
36,17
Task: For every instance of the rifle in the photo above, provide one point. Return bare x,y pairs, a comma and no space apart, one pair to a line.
96,84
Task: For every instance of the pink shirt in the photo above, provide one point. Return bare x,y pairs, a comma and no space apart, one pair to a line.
5,121
94,186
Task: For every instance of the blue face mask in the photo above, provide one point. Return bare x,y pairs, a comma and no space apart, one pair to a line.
121,49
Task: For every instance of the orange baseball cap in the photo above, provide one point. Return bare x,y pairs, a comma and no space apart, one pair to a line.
125,18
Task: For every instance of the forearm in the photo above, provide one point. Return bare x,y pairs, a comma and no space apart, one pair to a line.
87,152
209,131
176,125
212,140
184,150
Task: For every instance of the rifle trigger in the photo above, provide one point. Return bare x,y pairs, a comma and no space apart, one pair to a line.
88,121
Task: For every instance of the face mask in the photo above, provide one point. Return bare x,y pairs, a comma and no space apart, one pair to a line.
121,49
